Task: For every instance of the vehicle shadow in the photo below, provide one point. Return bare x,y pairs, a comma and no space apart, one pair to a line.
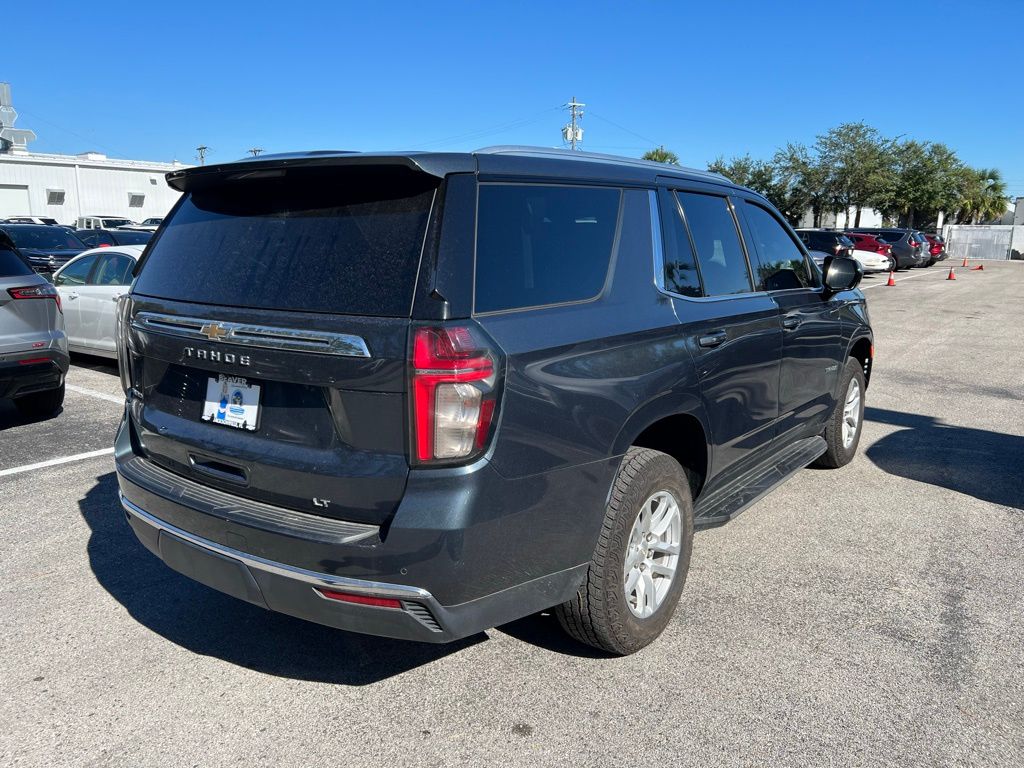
10,416
983,464
205,621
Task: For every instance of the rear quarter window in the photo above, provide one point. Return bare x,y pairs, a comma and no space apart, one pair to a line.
543,244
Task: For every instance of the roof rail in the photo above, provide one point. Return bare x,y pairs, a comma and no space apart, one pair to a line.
575,154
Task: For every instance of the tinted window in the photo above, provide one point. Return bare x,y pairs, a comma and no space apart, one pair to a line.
681,275
11,264
76,272
320,240
845,241
781,265
541,245
111,223
114,270
723,266
44,238
132,238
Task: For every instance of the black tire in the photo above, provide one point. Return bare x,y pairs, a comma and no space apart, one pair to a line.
39,405
838,455
599,614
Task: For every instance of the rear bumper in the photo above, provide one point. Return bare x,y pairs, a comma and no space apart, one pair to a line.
30,372
453,578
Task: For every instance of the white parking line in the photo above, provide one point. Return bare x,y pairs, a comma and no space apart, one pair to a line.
94,393
863,287
55,462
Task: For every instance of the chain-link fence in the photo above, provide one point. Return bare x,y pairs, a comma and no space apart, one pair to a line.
981,241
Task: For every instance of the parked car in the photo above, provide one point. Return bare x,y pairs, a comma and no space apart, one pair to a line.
46,248
905,248
153,221
865,242
505,390
103,222
828,240
32,220
871,262
104,238
33,347
89,285
936,246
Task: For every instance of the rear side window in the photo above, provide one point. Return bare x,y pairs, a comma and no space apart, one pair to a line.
133,238
781,264
12,265
723,265
541,244
115,270
681,276
344,241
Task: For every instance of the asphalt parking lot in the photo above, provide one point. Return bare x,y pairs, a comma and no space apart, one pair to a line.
868,616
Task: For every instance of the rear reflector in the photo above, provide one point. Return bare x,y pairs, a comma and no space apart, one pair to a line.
348,597
34,360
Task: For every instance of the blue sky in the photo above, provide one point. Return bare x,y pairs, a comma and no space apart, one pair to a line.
704,79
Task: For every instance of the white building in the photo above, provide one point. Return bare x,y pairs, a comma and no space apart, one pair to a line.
65,187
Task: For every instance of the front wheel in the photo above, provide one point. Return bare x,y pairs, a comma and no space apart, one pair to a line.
638,570
842,434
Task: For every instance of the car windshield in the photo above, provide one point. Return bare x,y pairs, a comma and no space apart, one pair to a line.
45,238
845,241
127,237
108,223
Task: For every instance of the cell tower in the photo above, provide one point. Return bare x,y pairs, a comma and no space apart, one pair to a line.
572,134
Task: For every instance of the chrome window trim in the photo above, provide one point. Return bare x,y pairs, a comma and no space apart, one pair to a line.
267,337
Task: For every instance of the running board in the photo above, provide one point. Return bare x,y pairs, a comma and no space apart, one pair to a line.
723,504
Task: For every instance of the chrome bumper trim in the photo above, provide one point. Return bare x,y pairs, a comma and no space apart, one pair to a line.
313,578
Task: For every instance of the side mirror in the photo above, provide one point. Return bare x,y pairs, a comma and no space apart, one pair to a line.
841,273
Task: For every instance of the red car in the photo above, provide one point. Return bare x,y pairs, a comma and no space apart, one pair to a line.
866,242
936,247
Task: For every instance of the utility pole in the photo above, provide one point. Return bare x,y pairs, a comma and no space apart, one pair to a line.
202,150
255,151
572,133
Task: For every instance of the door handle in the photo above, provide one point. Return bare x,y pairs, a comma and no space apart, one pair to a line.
713,339
115,298
72,296
791,322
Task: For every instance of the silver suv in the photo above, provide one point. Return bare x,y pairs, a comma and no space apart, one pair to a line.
33,346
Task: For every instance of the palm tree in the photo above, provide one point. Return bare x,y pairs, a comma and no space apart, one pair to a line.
982,195
661,155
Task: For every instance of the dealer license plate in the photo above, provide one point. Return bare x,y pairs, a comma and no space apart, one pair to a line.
233,402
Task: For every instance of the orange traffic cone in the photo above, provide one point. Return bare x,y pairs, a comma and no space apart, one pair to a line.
951,275
965,262
891,280
979,268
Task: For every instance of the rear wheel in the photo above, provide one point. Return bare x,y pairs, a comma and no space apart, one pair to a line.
844,425
41,404
638,570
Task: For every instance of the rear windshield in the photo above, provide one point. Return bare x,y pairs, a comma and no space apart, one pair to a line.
44,238
110,223
845,241
11,264
320,240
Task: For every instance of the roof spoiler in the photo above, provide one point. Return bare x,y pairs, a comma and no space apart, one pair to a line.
433,164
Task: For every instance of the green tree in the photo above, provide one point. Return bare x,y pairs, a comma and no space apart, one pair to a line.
661,155
981,195
858,165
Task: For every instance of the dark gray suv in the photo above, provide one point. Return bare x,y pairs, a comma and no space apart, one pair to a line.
421,395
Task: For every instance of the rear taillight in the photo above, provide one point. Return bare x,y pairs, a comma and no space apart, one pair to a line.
454,393
36,292
935,250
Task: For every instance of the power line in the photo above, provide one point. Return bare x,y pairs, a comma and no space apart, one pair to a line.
479,133
623,128
201,156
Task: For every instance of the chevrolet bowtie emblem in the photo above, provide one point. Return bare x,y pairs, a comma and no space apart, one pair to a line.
214,331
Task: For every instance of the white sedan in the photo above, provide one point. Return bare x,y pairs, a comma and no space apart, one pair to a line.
873,262
89,286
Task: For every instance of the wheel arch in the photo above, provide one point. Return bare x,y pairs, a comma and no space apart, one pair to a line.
862,349
674,427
